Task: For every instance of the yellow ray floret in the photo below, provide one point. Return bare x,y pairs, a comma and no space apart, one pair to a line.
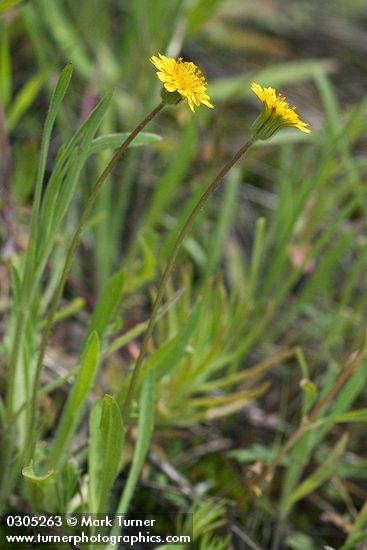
183,77
276,111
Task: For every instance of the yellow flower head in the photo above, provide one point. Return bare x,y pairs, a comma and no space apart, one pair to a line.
276,114
183,79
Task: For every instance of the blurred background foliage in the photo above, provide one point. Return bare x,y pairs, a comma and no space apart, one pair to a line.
270,288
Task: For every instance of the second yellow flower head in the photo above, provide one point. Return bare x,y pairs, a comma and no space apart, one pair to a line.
276,114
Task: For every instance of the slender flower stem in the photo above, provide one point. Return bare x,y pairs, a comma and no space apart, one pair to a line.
171,261
68,262
32,430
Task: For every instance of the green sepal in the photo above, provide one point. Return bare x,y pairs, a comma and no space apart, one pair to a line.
170,98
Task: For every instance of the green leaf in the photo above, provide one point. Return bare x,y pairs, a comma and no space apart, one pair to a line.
351,389
200,13
57,97
5,70
107,304
24,100
354,542
81,154
25,162
69,41
138,329
146,269
359,415
330,104
168,355
15,285
322,474
30,475
76,401
299,541
256,453
95,456
70,309
145,430
111,439
113,141
29,285
358,533
65,177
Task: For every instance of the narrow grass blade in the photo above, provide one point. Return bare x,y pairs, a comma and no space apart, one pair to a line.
256,257
5,70
359,415
199,13
167,356
358,533
322,473
24,100
66,35
170,181
224,222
